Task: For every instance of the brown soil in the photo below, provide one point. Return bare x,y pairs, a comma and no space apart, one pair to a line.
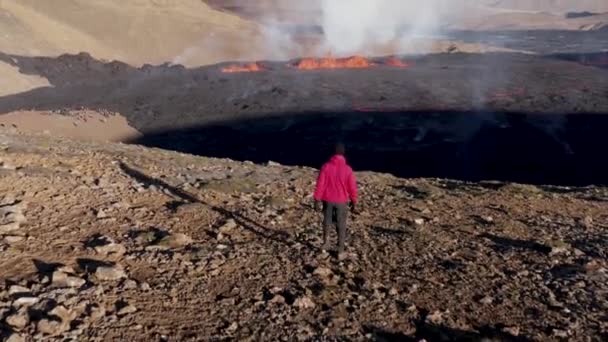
75,124
427,259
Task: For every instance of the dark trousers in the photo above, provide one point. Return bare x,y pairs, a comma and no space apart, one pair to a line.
335,213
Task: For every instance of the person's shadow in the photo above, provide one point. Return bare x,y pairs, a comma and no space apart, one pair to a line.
244,222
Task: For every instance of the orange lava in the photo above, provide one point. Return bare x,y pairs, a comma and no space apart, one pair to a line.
395,62
354,62
250,67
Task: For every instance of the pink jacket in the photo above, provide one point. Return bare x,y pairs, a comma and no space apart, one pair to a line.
336,182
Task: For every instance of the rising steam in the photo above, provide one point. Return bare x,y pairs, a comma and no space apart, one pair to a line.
352,26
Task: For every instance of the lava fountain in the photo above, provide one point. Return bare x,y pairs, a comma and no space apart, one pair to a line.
250,67
354,62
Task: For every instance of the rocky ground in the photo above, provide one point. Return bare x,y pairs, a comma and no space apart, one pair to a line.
117,242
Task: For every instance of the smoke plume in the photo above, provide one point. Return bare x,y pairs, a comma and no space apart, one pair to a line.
352,26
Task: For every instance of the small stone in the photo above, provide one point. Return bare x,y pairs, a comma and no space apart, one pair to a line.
8,166
62,279
559,249
51,327
232,328
16,289
393,292
126,310
419,221
109,273
227,227
304,303
435,318
18,320
578,252
144,287
487,219
9,227
111,249
101,214
587,222
175,241
13,239
25,301
513,331
486,300
323,272
130,284
66,316
96,312
15,338
278,299
560,333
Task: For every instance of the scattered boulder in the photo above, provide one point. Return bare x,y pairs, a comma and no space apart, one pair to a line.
513,331
18,290
323,272
111,249
18,320
559,247
62,279
228,226
51,327
304,302
96,312
11,217
25,302
11,239
278,299
487,300
15,337
175,241
109,273
66,316
123,308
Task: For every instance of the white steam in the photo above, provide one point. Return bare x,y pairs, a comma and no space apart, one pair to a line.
352,26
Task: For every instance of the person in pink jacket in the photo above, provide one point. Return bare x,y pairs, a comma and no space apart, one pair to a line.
336,188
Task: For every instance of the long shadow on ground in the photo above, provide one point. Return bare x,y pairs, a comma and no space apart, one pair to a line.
537,149
243,221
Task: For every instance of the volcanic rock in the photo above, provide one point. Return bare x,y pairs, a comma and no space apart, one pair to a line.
25,301
18,320
304,302
66,316
124,308
227,227
15,337
106,246
175,241
109,273
51,327
513,331
323,272
18,290
62,279
11,239
96,312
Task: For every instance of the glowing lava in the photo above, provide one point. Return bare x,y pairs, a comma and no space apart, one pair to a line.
354,62
250,67
395,62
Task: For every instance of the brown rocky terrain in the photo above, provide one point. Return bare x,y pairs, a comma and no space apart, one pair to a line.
117,242
478,156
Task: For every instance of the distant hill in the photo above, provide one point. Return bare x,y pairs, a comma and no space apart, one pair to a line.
133,31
